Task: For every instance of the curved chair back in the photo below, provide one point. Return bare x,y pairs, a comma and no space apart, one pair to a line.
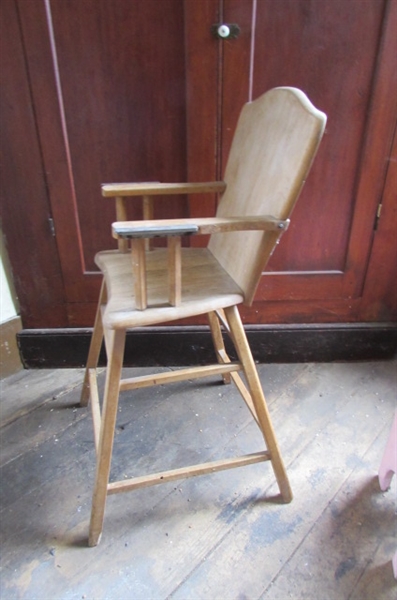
275,142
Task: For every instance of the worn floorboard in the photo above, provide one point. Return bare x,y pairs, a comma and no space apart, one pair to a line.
222,536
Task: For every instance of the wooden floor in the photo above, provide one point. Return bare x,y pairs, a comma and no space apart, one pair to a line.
223,536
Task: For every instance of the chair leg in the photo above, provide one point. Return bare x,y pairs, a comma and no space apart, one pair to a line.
108,422
95,347
255,388
217,339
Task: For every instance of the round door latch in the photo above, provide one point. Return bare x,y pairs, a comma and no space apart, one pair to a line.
225,31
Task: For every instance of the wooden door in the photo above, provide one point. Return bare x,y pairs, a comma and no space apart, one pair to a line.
344,58
106,86
124,90
120,82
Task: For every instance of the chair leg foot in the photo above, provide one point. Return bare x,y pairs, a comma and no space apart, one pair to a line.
94,540
286,492
98,509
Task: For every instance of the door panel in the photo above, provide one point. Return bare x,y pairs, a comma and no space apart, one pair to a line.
203,90
319,48
127,90
122,75
117,72
25,207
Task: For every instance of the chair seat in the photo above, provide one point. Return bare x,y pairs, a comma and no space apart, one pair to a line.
205,287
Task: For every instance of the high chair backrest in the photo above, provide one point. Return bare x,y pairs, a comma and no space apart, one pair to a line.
276,139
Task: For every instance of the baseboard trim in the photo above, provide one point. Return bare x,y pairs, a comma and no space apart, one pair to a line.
178,346
10,361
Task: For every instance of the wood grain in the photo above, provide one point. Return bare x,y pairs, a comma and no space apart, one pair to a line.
274,145
200,537
205,287
199,226
160,189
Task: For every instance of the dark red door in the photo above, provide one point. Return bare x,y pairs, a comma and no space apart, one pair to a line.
317,273
125,90
108,84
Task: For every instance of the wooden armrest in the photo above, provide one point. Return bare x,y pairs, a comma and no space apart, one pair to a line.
121,191
138,231
122,230
201,226
110,190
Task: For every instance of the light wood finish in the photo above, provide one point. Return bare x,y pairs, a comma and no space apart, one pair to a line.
110,190
235,377
217,340
205,287
136,230
275,143
186,472
175,270
95,346
147,208
105,445
138,256
121,210
107,333
121,215
143,381
258,400
273,148
224,359
148,214
202,226
95,406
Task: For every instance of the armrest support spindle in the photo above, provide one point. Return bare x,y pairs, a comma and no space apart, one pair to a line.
175,270
138,257
121,215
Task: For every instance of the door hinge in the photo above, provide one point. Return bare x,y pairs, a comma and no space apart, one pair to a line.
52,226
378,213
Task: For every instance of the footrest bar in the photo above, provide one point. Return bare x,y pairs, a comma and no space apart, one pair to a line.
179,375
185,472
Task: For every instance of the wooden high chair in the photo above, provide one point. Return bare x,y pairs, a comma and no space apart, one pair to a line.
274,145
